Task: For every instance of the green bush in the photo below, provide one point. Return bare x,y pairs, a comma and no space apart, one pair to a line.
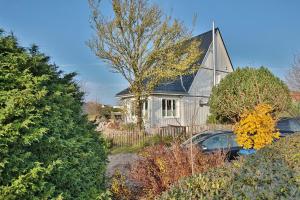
294,110
272,173
245,88
47,147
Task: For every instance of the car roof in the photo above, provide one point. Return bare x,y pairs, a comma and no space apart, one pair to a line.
214,132
289,118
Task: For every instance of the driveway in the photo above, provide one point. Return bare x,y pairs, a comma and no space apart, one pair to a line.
121,162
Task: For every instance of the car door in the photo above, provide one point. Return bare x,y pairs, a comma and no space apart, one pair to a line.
216,142
234,147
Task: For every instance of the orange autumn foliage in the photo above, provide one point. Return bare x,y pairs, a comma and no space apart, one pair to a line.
160,166
256,128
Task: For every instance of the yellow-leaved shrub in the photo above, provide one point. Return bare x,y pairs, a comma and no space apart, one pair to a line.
118,188
256,128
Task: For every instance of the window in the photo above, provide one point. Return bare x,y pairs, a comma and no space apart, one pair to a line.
232,141
218,78
169,108
144,108
216,142
221,141
283,125
295,125
288,125
132,109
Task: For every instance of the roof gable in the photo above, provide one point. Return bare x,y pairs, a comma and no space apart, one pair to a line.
181,84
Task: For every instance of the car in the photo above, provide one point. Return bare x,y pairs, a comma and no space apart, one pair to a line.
287,126
212,141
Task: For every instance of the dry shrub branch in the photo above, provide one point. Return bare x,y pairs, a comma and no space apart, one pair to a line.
162,166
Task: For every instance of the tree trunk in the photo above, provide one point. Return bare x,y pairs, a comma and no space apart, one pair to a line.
139,106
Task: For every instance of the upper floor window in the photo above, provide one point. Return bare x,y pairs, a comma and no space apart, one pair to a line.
169,107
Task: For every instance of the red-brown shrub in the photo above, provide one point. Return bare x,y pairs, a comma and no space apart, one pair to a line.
161,166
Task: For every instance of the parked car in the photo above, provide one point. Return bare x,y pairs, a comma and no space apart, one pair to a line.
211,141
287,126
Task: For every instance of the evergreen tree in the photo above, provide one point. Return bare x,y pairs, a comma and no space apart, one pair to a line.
244,89
47,147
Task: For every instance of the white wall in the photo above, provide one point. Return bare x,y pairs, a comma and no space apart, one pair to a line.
203,82
194,113
156,118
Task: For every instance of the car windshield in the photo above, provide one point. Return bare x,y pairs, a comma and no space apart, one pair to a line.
220,141
199,137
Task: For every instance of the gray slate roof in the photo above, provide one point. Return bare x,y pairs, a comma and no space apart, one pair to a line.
177,86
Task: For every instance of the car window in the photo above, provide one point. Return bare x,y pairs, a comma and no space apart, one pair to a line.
295,125
217,142
199,137
288,125
232,141
195,138
283,125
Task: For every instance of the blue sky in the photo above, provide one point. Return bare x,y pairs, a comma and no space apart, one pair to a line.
256,33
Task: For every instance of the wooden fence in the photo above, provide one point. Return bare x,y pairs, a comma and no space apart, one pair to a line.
133,137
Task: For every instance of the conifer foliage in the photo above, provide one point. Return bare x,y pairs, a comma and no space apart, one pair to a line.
244,89
48,150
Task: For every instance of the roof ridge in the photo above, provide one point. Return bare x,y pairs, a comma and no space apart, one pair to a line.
216,29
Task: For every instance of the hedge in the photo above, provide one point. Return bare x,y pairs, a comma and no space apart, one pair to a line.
272,173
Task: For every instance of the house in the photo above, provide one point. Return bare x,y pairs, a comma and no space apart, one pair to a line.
295,95
184,101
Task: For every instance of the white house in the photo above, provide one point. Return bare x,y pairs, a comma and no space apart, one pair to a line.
183,102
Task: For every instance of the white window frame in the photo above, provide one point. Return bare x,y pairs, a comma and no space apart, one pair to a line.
176,114
218,78
145,111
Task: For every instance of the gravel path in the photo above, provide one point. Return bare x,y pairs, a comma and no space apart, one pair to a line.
120,161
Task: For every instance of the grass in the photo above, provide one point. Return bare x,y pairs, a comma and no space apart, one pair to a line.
126,149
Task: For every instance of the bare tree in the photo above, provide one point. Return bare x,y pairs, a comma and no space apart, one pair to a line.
92,108
143,45
293,76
